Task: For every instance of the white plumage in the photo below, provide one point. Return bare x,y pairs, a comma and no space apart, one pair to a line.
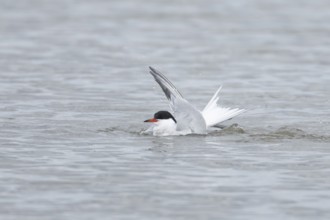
214,114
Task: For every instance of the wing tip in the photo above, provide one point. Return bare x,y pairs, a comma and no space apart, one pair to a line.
152,69
153,72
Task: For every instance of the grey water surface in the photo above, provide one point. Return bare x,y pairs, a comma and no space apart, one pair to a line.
75,90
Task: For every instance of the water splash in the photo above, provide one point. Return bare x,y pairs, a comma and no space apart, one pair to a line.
289,133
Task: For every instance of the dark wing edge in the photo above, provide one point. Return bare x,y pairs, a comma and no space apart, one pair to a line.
168,88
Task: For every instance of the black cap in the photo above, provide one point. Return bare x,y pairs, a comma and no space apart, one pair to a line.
164,115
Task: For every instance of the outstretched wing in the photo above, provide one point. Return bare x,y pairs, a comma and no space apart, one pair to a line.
171,92
214,114
187,116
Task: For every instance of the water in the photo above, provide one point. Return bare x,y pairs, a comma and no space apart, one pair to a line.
75,91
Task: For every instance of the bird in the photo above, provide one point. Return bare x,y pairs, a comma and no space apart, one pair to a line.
186,118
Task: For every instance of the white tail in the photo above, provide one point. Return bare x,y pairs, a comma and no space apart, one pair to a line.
214,114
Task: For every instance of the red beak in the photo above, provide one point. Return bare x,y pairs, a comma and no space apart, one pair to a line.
151,120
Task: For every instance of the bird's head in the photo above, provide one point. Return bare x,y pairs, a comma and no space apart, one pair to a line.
161,116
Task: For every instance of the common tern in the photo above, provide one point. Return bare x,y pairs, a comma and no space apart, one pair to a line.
185,118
